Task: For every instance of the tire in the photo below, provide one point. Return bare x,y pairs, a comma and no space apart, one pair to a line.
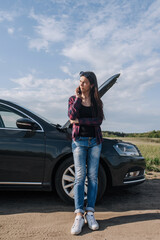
102,182
64,181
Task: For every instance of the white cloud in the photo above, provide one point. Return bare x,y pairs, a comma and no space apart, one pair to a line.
114,46
48,30
107,37
6,16
11,30
131,48
48,97
66,70
113,40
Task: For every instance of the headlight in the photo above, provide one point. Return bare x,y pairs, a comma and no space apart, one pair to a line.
126,149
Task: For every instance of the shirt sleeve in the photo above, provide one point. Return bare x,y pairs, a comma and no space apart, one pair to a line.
90,121
74,105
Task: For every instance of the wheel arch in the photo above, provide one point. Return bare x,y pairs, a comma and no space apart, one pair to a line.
107,171
58,163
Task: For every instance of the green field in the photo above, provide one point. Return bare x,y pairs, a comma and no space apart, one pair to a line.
150,149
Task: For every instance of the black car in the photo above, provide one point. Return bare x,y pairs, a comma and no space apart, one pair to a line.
36,154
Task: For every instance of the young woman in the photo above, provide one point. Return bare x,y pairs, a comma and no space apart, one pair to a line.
85,111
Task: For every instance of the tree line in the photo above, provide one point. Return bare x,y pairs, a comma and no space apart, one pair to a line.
152,134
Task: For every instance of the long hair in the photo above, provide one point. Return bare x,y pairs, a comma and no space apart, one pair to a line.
95,99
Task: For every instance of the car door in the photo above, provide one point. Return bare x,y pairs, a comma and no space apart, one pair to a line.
22,151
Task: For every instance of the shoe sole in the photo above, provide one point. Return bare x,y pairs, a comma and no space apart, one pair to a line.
90,226
94,229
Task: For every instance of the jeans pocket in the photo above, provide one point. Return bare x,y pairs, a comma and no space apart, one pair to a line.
74,145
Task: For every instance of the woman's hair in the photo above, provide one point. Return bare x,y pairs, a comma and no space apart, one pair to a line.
95,99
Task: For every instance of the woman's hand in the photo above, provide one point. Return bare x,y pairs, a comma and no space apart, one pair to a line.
74,121
78,94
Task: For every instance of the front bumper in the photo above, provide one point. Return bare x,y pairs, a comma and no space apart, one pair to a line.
120,172
132,180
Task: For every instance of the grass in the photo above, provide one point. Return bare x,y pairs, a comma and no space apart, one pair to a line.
150,150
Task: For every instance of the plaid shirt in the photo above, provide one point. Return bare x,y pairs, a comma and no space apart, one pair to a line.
74,105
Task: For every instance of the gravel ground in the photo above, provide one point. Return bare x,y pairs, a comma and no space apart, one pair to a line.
132,214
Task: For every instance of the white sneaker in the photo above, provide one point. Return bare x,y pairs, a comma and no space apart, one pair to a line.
77,225
92,223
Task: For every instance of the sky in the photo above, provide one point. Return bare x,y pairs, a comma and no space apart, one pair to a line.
45,44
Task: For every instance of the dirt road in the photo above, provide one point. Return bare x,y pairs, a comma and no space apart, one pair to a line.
132,214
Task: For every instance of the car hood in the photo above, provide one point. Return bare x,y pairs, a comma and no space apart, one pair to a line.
107,84
102,90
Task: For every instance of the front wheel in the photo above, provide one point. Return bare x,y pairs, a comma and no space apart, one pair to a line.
64,181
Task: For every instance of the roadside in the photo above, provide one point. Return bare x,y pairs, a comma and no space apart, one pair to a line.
122,214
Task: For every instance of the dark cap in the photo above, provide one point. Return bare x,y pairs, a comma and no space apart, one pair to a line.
90,76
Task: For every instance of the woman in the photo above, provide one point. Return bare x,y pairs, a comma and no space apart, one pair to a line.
85,111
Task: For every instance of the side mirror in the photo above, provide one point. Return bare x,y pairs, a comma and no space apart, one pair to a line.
26,123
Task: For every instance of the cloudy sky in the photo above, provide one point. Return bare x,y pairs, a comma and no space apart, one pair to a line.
45,44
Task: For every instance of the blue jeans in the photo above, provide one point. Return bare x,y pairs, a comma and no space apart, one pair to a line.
85,152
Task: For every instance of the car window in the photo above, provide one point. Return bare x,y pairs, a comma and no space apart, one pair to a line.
8,117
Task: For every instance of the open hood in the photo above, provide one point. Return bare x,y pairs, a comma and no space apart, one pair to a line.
102,90
107,84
